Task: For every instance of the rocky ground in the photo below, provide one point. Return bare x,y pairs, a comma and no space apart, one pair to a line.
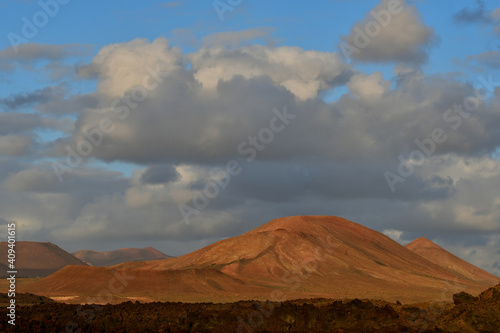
466,314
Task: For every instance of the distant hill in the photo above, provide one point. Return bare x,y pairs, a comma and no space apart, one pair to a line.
110,258
439,256
287,258
37,259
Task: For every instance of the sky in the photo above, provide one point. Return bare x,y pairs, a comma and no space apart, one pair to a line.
177,124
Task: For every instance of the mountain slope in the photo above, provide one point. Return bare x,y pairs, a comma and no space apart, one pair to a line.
336,246
36,259
293,257
110,258
439,256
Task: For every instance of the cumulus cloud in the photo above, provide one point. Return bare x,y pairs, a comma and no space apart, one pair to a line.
202,112
304,73
123,66
205,113
401,37
368,86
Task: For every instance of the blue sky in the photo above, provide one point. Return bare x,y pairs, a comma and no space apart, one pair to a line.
356,117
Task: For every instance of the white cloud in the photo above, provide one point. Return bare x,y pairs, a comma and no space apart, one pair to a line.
304,73
393,233
368,87
474,204
123,66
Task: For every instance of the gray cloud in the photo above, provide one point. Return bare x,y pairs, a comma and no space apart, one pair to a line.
15,145
490,58
16,123
496,16
32,180
171,4
183,121
49,100
30,52
469,15
479,15
38,96
160,174
404,38
237,38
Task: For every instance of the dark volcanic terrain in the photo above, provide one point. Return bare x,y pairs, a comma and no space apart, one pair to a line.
468,314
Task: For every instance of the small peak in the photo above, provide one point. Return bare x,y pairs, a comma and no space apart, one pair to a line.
422,242
300,222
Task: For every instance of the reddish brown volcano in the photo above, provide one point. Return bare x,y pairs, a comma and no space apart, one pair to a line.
436,254
110,258
35,259
294,257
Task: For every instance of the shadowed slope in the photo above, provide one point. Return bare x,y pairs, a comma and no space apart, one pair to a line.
436,254
37,259
100,284
110,258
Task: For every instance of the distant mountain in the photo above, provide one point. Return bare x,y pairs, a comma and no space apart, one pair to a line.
292,257
110,258
36,259
439,256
